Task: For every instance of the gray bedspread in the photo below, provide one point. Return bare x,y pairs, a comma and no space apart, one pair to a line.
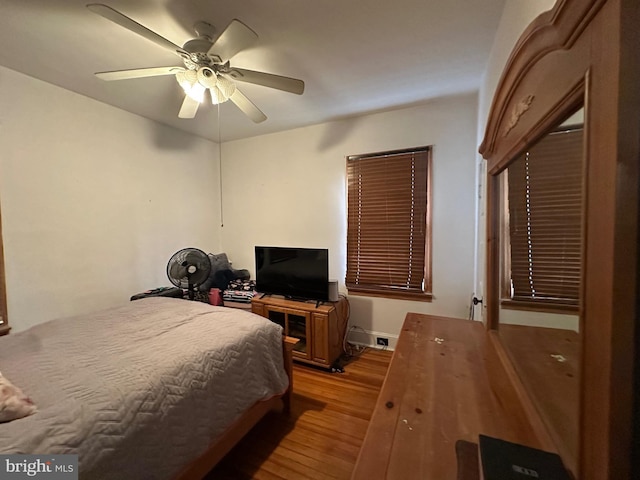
139,391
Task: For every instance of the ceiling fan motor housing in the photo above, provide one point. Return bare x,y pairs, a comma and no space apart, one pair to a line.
204,30
197,56
198,45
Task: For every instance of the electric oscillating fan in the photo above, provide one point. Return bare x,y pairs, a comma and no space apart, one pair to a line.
188,268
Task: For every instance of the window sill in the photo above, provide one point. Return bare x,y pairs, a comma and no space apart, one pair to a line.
417,297
539,307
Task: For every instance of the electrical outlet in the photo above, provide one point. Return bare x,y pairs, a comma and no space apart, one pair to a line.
382,341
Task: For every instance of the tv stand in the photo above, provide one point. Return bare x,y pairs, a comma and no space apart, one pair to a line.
302,299
320,328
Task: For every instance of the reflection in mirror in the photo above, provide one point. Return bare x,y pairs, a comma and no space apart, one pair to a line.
541,260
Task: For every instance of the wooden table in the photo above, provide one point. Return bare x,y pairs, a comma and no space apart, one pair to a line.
436,392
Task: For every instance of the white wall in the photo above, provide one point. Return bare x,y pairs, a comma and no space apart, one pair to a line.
540,319
94,200
288,189
82,180
516,17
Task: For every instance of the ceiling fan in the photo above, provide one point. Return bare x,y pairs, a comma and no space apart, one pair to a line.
206,65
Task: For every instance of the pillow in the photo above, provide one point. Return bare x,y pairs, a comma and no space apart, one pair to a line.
219,262
14,403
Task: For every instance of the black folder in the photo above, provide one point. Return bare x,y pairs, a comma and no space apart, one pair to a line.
502,460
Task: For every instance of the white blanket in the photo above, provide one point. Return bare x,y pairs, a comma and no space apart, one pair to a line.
140,390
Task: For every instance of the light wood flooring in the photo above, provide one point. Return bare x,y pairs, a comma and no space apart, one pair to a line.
322,436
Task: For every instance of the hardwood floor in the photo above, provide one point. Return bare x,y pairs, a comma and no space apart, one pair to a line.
322,436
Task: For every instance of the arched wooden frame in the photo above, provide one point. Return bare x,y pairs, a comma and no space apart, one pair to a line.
583,51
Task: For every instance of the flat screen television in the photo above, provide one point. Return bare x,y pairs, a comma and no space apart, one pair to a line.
297,273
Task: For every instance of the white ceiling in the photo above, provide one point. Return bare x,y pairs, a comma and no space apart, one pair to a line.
355,57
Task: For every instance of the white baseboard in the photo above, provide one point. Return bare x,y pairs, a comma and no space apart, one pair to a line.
360,336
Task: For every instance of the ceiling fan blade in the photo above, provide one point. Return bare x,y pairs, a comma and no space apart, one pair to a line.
287,84
133,26
138,73
247,106
236,37
189,107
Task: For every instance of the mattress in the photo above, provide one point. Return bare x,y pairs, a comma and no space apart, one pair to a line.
140,390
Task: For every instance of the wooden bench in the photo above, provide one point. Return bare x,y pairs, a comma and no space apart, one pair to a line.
436,393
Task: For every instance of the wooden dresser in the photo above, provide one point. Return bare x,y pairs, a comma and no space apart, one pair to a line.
436,393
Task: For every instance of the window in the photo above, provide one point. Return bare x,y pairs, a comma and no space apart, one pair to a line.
544,223
388,224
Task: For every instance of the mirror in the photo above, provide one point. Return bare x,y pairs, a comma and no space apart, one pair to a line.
541,243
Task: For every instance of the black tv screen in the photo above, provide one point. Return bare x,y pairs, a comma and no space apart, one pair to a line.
300,273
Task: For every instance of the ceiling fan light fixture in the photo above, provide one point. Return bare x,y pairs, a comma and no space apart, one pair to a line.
188,80
207,77
196,92
222,91
217,96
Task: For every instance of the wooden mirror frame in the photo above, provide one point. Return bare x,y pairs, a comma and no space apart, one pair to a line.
581,51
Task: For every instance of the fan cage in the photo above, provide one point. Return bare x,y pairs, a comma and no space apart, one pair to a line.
188,268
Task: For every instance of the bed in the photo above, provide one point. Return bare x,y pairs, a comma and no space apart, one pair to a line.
158,388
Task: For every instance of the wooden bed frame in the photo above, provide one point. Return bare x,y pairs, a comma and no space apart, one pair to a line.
234,433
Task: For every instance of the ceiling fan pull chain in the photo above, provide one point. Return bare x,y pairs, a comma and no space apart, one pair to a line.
220,168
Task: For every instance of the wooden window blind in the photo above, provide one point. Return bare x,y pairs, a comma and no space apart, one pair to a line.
545,220
388,223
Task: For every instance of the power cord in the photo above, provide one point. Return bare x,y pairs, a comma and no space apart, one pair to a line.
350,349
